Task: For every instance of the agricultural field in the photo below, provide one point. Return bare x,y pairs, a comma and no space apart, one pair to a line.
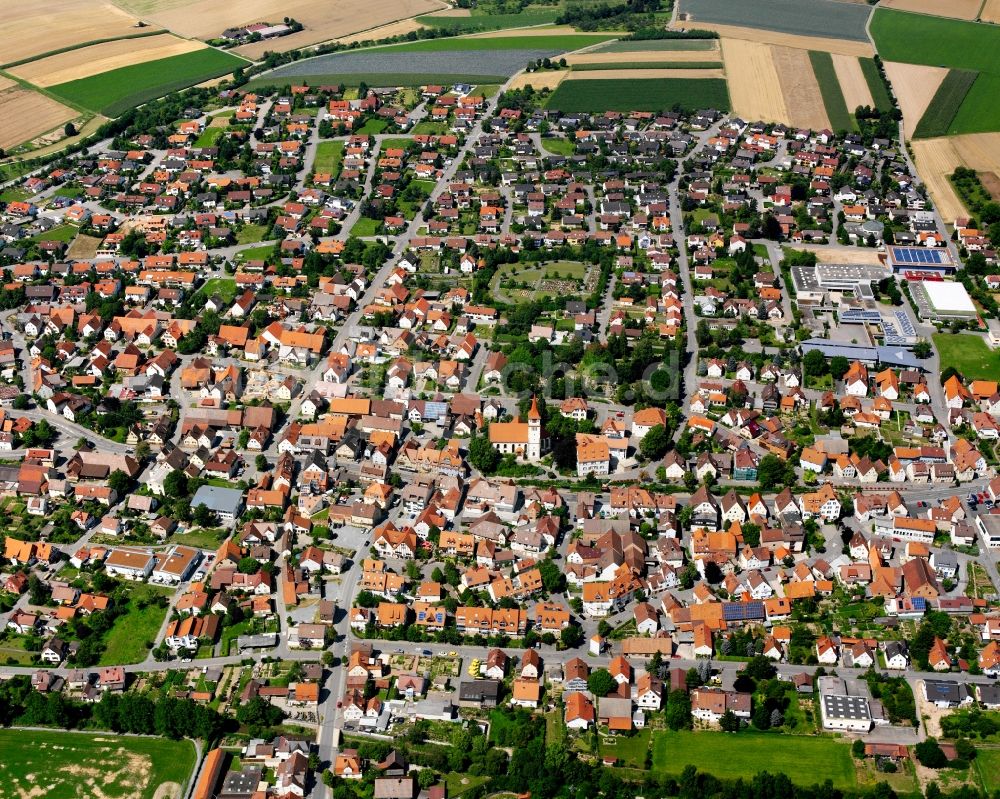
644,72
837,110
612,94
876,85
549,39
671,45
678,66
806,760
392,62
753,81
958,9
67,765
206,19
25,114
543,79
824,18
801,89
825,44
956,45
95,59
914,86
939,118
695,57
990,11
34,29
542,15
853,82
116,91
969,354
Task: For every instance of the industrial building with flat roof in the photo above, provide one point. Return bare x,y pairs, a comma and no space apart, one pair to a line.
938,299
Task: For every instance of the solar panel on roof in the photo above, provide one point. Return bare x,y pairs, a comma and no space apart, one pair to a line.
741,611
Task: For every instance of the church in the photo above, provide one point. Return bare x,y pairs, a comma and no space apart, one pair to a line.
526,440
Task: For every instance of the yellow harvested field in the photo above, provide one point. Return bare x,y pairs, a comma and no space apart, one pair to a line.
641,56
30,29
645,74
841,255
914,86
6,83
400,28
937,158
547,79
206,19
753,81
844,46
958,9
803,98
454,12
991,11
852,81
25,114
87,61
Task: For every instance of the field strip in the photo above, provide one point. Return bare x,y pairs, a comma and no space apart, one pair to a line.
936,159
803,97
25,114
843,46
400,28
87,61
640,74
548,79
753,81
852,81
914,86
543,30
958,9
604,57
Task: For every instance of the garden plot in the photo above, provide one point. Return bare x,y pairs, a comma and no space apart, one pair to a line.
852,81
387,62
824,18
86,61
914,86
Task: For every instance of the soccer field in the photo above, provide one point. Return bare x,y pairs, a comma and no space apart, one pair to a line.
68,765
806,760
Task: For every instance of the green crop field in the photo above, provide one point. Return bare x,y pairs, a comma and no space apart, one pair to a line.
969,354
612,65
613,94
114,92
833,96
952,43
642,45
880,94
377,79
492,22
805,759
940,115
67,765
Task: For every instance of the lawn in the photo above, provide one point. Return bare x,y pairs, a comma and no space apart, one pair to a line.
201,538
329,156
65,233
806,760
114,92
225,287
251,234
430,127
969,354
366,226
66,765
460,783
558,146
255,253
499,721
594,96
987,764
126,641
631,751
833,96
372,126
209,137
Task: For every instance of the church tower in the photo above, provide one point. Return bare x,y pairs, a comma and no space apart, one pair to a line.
533,451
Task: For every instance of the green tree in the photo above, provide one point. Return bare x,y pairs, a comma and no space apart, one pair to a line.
482,455
930,754
175,485
119,482
729,722
678,713
571,636
600,683
654,444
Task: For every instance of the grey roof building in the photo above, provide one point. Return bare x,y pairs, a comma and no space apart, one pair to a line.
225,502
